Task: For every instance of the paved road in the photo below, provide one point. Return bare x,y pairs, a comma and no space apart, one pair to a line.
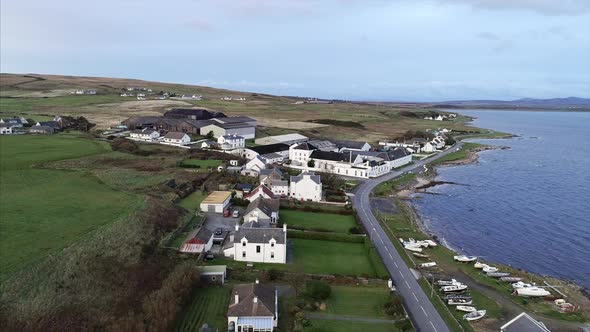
421,311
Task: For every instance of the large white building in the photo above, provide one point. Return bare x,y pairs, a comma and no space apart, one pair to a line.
217,201
253,307
272,153
286,139
218,129
259,244
144,134
177,138
231,142
306,187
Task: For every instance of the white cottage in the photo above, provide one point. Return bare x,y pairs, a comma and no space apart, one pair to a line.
253,307
307,187
259,244
144,134
231,142
177,138
262,212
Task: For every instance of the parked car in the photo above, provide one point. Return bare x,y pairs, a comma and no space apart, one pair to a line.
226,213
236,213
209,256
218,231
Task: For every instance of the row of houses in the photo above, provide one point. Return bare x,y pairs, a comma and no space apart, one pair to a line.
16,125
419,144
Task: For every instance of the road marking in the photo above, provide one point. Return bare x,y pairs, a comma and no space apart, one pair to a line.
394,263
424,311
407,283
415,296
435,330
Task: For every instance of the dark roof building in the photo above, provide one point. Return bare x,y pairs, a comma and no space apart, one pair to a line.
260,235
175,135
271,148
353,145
253,300
305,146
41,130
524,323
267,206
138,122
193,114
329,155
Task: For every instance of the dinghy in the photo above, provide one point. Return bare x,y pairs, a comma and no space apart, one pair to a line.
520,284
460,301
497,274
488,269
413,248
465,308
417,254
465,259
429,264
510,279
474,315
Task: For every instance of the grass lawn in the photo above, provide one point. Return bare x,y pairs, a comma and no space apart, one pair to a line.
204,164
208,305
457,155
357,301
192,201
318,221
43,210
329,257
317,325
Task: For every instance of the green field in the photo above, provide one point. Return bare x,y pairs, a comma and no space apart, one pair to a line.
357,301
329,257
192,201
44,210
457,155
208,305
318,221
317,325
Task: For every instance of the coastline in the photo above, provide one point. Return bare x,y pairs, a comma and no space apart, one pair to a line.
428,180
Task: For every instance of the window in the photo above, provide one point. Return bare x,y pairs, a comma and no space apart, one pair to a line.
272,255
244,244
243,254
272,244
257,249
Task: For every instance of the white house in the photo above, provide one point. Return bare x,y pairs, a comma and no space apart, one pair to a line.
231,142
260,191
352,145
15,122
301,152
307,187
144,134
253,307
177,138
208,144
428,147
286,138
217,201
399,157
276,151
439,118
262,212
524,322
256,164
280,188
6,129
352,164
259,244
201,242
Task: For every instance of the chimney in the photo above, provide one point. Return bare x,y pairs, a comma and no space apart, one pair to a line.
284,228
237,297
255,299
257,281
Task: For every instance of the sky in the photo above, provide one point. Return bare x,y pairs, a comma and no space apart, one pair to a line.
385,50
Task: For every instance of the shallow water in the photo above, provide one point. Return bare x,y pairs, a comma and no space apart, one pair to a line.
528,206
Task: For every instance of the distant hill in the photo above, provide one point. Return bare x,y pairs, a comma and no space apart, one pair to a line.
553,103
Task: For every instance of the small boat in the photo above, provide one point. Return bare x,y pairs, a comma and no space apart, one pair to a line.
413,248
479,265
532,291
497,274
457,296
460,301
465,259
453,288
510,279
417,254
520,284
465,308
428,264
474,315
447,282
430,243
488,269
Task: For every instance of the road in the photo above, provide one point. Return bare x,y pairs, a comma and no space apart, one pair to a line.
421,311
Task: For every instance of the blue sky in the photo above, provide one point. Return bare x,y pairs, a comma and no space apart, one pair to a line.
410,50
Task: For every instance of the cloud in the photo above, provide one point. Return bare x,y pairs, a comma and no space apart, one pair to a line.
546,7
200,24
488,36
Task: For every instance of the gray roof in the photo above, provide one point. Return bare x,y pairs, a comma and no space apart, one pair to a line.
329,155
312,176
267,206
52,124
234,119
232,136
175,135
260,235
349,144
398,153
232,125
305,146
280,183
265,305
42,128
269,171
271,148
323,145
204,234
524,323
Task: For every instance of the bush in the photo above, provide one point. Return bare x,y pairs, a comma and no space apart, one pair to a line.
394,307
124,145
355,230
317,290
332,198
274,274
311,163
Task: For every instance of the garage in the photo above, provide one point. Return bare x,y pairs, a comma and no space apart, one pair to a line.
216,202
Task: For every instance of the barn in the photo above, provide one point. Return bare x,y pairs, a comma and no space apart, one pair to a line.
217,201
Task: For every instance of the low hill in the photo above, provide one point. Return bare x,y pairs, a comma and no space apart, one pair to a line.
573,103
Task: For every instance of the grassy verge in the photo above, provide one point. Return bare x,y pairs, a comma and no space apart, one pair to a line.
457,155
318,221
385,188
317,325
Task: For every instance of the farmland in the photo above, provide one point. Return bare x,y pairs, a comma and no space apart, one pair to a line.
318,221
45,210
208,305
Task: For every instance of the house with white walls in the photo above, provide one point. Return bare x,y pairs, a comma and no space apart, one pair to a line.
144,134
201,242
177,138
301,152
253,307
256,164
231,142
259,245
277,152
306,187
260,191
262,212
6,129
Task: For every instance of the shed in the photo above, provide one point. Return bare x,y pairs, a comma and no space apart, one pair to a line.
213,273
217,201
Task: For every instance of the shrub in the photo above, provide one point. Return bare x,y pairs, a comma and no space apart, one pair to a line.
274,274
317,290
356,230
124,145
394,307
311,163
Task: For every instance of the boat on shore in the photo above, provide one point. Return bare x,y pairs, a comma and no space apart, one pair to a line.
447,282
417,254
428,264
453,288
533,291
521,284
479,265
474,315
488,269
510,279
412,248
456,296
465,308
465,259
498,274
460,301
